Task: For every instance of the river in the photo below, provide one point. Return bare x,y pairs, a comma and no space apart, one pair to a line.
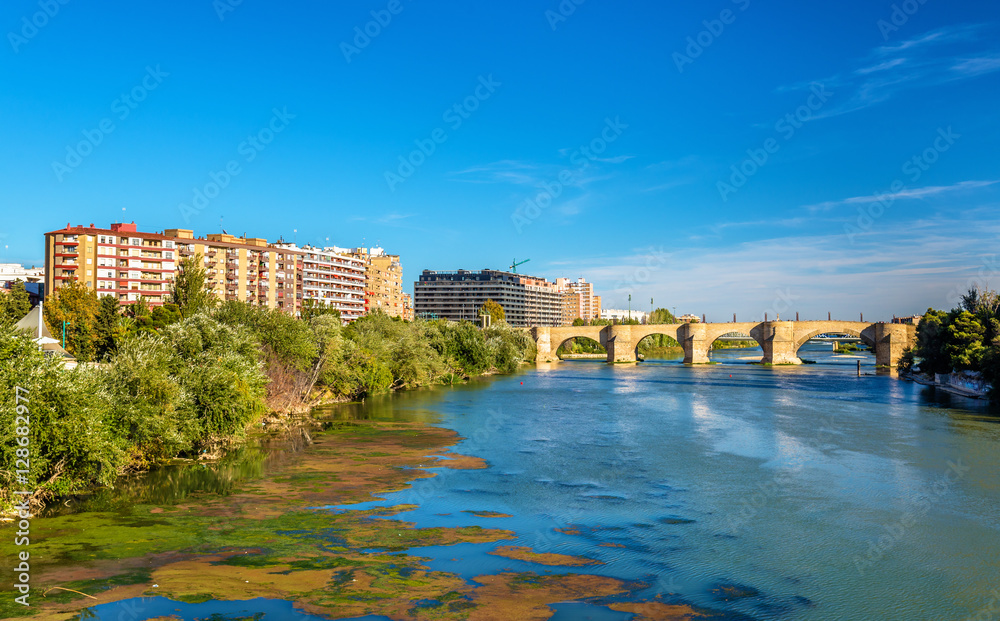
805,492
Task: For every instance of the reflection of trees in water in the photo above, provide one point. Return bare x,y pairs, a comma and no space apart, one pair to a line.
173,483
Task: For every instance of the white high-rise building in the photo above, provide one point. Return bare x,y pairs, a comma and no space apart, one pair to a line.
333,277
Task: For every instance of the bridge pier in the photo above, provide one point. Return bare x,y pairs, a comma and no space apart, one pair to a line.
618,342
543,340
694,340
891,340
778,342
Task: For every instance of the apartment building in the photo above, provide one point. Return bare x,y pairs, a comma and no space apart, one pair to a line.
408,314
124,262
32,277
118,261
579,301
11,272
621,314
527,300
333,277
384,283
247,269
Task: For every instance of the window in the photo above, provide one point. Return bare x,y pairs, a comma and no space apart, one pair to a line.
89,261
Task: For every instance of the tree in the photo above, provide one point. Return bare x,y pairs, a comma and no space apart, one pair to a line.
139,309
494,310
660,316
965,347
932,336
77,304
15,304
188,291
312,309
985,301
579,322
108,313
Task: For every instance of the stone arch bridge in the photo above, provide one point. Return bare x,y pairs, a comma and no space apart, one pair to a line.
780,340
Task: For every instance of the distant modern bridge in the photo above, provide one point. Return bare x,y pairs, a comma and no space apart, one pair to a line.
780,340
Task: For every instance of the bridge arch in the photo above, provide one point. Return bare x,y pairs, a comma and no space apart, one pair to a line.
558,342
640,338
743,336
867,339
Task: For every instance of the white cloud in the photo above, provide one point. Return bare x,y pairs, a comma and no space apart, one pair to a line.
910,193
931,59
898,270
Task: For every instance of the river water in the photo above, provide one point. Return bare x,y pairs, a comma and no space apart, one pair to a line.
801,492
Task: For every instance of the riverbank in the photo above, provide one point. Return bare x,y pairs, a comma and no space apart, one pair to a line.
962,384
275,537
192,388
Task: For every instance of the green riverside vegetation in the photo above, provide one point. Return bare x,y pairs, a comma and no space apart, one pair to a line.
191,377
966,338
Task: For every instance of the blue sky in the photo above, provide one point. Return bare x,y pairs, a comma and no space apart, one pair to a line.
725,157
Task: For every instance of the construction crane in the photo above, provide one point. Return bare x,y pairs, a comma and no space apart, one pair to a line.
513,267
